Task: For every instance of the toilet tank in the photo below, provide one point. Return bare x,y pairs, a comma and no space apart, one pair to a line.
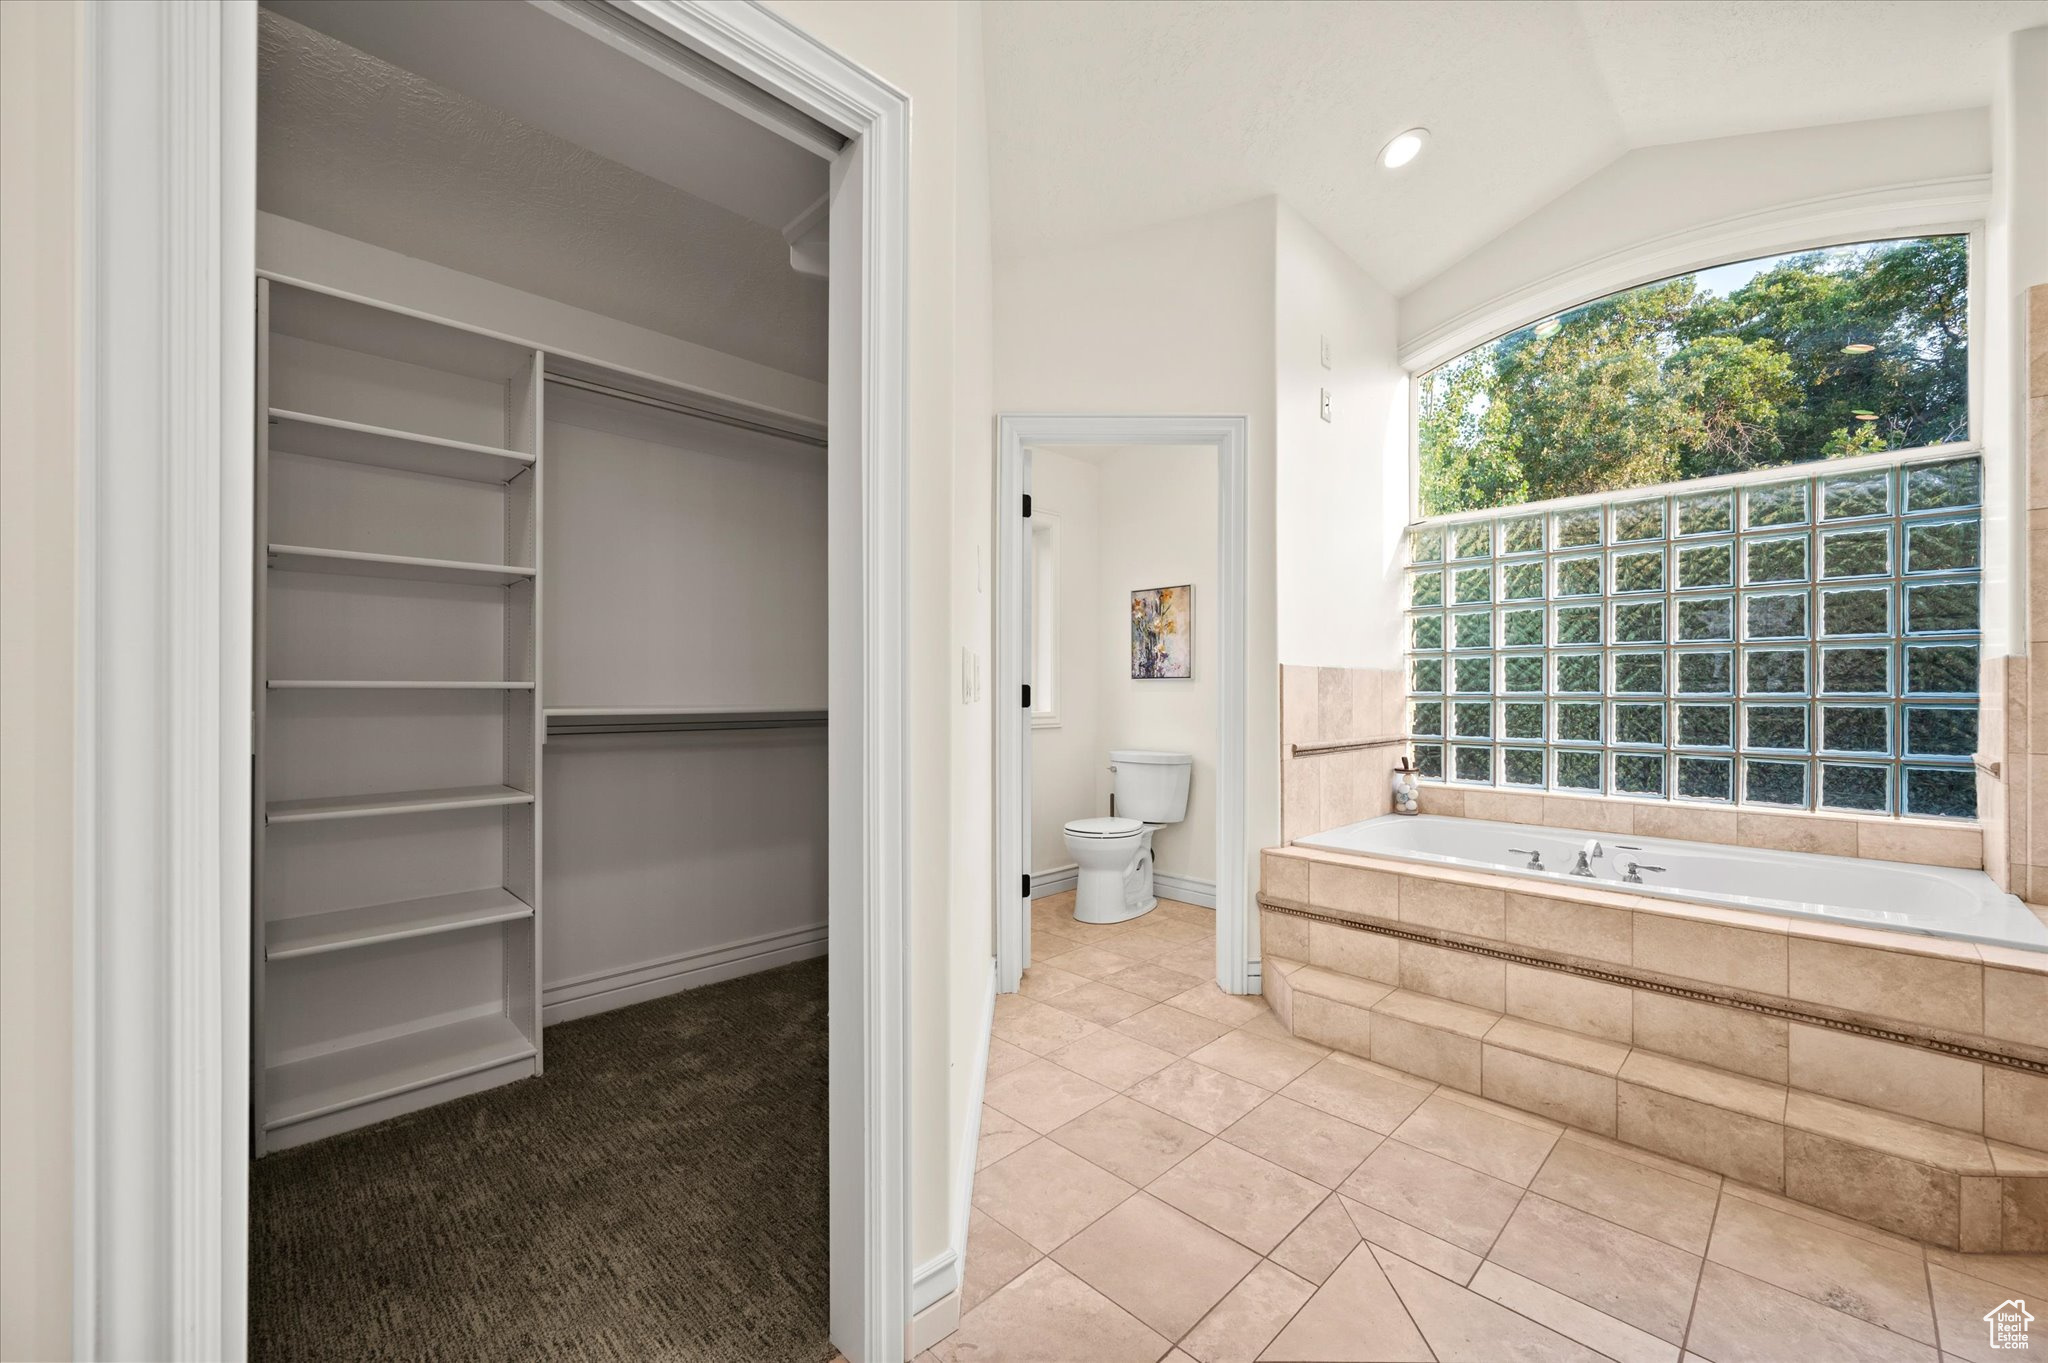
1151,786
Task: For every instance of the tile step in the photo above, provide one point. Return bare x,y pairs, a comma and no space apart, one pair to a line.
1934,1183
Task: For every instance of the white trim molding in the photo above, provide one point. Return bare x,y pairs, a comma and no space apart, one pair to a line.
1058,880
1187,889
1015,436
935,1286
603,990
161,913
166,488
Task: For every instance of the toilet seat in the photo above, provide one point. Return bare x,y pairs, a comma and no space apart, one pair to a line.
1105,828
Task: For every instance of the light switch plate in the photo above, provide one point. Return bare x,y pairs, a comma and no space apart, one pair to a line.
1326,404
1326,351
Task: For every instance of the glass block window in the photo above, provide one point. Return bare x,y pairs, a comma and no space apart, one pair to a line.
1802,643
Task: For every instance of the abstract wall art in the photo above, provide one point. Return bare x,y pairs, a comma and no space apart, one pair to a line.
1163,633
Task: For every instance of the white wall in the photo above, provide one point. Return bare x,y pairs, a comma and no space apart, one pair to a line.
1065,759
39,63
1129,518
1158,529
1176,319
1674,194
1342,485
932,52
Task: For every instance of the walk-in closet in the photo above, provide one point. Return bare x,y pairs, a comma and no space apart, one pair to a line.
539,743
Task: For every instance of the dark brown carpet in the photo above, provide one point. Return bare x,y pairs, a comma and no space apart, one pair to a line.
658,1194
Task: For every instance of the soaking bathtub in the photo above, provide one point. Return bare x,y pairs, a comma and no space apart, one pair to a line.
1931,900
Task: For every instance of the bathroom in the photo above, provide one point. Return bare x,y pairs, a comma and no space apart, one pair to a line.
1124,690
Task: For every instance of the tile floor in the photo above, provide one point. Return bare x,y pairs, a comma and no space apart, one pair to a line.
1166,1174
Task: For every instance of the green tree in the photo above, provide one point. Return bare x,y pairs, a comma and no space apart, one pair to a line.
1820,355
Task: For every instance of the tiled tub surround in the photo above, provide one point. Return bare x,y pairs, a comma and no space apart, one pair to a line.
1342,733
1899,1081
1934,900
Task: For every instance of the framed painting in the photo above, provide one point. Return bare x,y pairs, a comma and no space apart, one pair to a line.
1163,633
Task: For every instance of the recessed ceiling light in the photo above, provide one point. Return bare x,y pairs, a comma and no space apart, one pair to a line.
1858,348
1404,148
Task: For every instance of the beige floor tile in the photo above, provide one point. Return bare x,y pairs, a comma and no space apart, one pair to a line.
995,1255
1253,1201
1960,1304
1459,1324
1863,1230
1154,980
1245,1322
1848,1274
1046,1193
1100,1003
1171,1029
1049,1316
1198,1095
1316,1246
2023,1273
1112,1059
1044,1095
1132,1141
1269,1025
1197,959
1161,1265
1307,1140
1492,1144
1417,1246
1042,982
1001,1135
1003,1057
1571,1318
1629,1193
1090,962
1355,1317
1434,1194
1270,1064
1364,1097
1739,1319
1232,1010
1631,1277
1029,1024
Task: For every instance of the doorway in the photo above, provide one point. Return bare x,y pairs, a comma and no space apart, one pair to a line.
163,983
1217,447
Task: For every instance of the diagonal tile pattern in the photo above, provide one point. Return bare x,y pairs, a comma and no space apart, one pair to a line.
1185,1183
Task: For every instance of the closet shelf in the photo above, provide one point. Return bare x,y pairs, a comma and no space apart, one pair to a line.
315,313
301,1090
355,443
315,684
396,802
369,924
296,558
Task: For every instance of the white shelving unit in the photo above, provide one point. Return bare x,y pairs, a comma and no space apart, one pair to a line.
397,840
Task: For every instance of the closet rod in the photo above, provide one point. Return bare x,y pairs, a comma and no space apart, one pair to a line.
577,726
685,409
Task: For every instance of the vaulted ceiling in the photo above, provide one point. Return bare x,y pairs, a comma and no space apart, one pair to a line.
1107,118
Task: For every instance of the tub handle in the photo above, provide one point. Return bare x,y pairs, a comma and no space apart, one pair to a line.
1633,878
1535,857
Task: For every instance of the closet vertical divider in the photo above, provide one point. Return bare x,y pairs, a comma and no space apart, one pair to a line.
259,703
525,725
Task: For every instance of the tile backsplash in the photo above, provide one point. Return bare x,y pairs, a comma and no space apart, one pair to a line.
1325,706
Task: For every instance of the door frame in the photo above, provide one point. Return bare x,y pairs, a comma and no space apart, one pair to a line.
1226,435
161,923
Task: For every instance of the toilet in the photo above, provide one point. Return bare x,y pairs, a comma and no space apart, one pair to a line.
1115,854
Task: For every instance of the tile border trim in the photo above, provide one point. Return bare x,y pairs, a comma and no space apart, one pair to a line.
2023,1064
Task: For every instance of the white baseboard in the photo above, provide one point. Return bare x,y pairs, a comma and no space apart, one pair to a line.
1187,890
1060,879
935,1284
604,990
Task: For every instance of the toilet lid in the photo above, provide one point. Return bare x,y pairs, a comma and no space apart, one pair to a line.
1105,828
